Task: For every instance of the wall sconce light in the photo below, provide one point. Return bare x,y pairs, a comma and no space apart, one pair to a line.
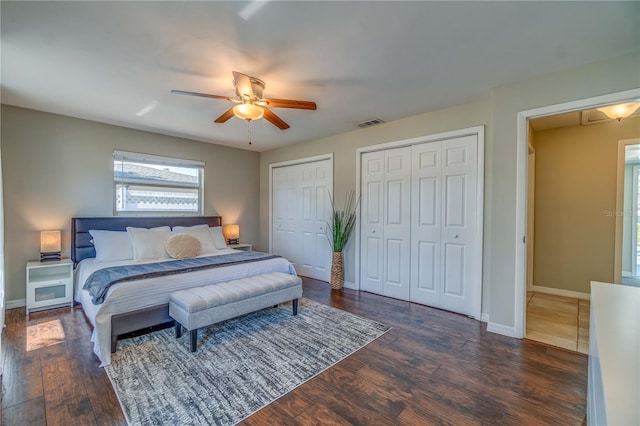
49,246
231,233
620,111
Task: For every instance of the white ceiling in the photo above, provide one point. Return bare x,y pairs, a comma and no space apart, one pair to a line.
106,61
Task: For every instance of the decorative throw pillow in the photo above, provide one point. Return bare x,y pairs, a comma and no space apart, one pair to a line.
218,238
148,244
201,232
183,246
111,246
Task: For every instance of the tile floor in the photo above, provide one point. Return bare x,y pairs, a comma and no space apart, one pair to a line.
558,321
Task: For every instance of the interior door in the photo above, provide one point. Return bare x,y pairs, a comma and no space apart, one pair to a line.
425,230
315,210
371,221
285,213
300,210
459,223
397,223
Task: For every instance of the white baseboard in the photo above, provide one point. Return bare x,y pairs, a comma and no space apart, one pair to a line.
18,303
501,329
560,292
350,285
484,317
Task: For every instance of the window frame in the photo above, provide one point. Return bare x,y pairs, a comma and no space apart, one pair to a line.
157,160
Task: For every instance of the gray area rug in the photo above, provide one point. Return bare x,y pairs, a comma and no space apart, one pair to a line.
241,365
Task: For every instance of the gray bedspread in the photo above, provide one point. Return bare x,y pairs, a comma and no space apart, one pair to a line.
100,281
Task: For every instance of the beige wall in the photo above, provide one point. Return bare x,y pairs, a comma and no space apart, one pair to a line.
575,181
596,79
56,167
499,115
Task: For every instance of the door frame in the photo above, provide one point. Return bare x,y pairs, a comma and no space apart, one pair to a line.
322,157
478,131
620,165
522,143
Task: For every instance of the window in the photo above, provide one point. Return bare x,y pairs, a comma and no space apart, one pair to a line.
149,183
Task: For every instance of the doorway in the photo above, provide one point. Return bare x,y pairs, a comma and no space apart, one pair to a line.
521,188
627,262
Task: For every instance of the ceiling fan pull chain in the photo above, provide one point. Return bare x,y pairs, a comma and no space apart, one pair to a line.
249,130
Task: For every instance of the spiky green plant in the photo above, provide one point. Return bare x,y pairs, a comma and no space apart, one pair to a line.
342,222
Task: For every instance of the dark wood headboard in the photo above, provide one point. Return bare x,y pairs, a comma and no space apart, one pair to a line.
82,248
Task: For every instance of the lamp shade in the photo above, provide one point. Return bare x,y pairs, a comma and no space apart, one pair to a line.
620,111
248,111
231,232
50,241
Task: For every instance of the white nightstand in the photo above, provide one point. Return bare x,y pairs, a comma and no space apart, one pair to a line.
49,284
241,246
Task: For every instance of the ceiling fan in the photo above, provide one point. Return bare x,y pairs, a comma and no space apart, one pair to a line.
250,103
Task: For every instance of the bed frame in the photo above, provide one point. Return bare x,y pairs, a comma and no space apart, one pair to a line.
82,248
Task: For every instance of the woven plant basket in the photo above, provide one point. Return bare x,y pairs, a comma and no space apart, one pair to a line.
337,273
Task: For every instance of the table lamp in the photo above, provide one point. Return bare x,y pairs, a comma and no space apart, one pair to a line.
231,233
49,246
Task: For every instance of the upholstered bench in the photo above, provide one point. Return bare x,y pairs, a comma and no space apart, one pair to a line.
199,307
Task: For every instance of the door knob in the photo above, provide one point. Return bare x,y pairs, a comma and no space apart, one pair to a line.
455,235
374,231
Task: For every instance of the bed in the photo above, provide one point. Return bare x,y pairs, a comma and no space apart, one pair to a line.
142,303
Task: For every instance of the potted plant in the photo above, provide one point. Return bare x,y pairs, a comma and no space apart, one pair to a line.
339,229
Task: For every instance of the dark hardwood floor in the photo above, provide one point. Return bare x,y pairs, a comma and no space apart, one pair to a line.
433,367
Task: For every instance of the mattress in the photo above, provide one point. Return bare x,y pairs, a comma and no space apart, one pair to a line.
145,293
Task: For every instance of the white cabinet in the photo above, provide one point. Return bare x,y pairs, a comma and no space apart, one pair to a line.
49,284
614,355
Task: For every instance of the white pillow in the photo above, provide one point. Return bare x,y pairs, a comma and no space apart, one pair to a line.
201,232
218,238
111,245
149,243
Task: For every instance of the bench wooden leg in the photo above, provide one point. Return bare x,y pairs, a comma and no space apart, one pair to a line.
295,306
178,329
114,342
194,339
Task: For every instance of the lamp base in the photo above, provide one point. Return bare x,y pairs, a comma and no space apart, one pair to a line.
235,241
50,257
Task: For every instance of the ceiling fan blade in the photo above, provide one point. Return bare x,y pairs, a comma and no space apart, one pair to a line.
243,85
288,103
204,95
274,119
224,117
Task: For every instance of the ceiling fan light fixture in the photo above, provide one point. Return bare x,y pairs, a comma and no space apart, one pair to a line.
248,111
620,111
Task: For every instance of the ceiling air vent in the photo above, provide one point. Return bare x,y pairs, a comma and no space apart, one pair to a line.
370,123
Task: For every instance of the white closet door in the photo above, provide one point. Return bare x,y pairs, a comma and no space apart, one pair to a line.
371,221
397,223
315,208
459,223
286,242
300,210
425,232
419,223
